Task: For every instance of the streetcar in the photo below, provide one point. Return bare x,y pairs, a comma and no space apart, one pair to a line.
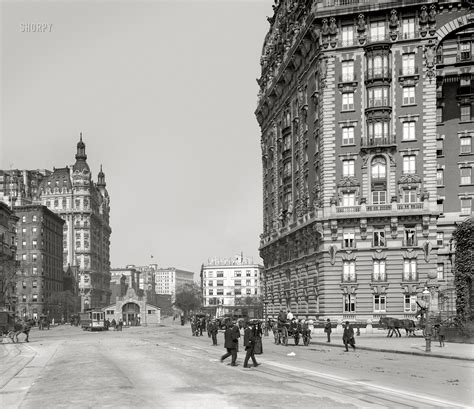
92,320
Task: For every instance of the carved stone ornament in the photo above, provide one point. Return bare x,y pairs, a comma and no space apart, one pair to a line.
430,59
393,24
363,229
394,226
333,225
409,179
323,67
427,250
332,254
426,225
348,181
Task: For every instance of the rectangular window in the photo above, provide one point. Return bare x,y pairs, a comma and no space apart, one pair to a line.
220,291
409,304
35,271
410,236
466,142
349,240
35,283
465,112
237,283
378,96
409,269
220,283
238,291
466,206
348,167
23,257
220,274
349,302
377,31
348,135
379,270
408,64
35,297
409,131
439,147
379,197
408,95
348,271
210,291
24,284
23,244
348,101
409,164
465,51
379,238
35,218
409,196
35,244
440,177
347,33
380,303
440,238
210,283
347,71
439,115
408,28
23,298
466,176
348,199
440,271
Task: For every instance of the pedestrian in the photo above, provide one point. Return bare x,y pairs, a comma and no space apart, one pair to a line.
327,329
214,329
249,344
113,324
120,324
348,336
258,349
289,316
441,335
231,343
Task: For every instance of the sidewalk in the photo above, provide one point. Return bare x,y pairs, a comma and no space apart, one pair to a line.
403,345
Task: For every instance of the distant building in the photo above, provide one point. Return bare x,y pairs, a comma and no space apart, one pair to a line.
132,277
168,280
227,281
8,263
40,253
84,205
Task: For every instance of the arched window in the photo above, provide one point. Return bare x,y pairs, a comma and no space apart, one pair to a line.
379,180
379,168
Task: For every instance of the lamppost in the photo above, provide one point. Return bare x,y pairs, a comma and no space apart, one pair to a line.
426,296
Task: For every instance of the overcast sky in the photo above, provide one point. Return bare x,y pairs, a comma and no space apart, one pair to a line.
164,93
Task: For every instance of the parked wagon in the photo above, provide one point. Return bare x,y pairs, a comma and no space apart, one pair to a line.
296,329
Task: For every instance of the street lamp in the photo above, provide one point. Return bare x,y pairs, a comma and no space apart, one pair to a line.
426,296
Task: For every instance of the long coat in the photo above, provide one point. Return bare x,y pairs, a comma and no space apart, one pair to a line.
231,337
249,337
348,333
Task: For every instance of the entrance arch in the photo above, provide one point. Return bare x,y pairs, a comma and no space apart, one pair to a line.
131,314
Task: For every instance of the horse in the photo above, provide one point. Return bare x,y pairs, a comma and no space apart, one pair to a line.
21,327
409,326
392,324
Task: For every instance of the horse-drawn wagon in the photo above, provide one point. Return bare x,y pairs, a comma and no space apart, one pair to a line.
7,323
295,329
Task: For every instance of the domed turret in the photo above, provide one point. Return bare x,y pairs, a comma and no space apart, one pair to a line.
81,157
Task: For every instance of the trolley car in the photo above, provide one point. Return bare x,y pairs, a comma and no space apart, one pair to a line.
93,320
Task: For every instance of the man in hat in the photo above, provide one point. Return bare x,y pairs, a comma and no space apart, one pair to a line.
213,329
231,342
348,336
249,344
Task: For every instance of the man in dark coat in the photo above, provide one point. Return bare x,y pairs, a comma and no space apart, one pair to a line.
249,344
327,329
213,329
348,336
231,342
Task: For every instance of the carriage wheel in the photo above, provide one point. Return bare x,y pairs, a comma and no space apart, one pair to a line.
284,334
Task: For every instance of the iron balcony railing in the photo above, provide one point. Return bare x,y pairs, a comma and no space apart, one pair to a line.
378,141
378,73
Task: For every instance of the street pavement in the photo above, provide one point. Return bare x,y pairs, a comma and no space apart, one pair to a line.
165,367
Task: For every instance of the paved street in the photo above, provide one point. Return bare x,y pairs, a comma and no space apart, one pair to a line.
166,367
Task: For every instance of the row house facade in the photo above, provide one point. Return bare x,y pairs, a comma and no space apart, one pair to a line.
365,117
84,205
40,255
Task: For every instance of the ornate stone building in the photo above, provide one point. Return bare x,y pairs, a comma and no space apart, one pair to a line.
84,205
356,101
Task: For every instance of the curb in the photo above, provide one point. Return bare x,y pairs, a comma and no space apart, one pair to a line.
393,351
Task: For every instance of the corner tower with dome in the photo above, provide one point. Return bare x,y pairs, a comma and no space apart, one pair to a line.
84,205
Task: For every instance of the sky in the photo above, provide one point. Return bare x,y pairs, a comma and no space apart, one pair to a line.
164,93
